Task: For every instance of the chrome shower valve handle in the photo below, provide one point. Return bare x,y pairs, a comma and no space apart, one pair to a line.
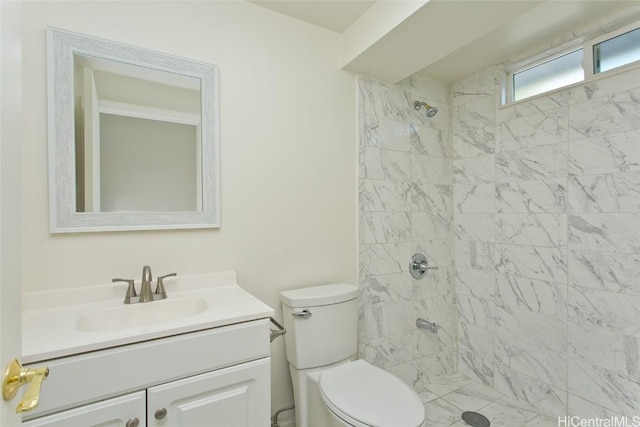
418,266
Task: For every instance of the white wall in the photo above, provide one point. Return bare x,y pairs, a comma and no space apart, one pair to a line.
287,145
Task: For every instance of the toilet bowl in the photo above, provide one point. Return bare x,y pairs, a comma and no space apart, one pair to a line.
331,389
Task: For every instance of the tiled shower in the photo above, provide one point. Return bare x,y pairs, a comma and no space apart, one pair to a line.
531,212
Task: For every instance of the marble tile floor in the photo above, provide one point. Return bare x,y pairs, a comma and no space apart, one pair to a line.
446,399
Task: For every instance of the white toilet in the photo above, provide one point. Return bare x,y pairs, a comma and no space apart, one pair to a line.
330,387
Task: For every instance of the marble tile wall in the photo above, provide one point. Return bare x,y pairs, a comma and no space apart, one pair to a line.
406,204
546,208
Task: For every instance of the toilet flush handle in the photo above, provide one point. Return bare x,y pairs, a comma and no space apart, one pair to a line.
302,314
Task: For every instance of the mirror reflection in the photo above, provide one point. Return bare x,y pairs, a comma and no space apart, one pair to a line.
138,143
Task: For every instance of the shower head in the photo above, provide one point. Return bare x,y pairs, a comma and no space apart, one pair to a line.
429,110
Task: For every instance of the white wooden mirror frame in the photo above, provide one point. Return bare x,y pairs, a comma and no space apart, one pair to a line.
63,218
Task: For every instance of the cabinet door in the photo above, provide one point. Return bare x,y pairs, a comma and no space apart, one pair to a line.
117,412
238,396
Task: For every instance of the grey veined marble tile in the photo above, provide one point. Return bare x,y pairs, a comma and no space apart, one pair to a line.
430,141
473,128
420,85
533,359
478,227
474,198
615,232
586,338
479,85
548,195
476,353
533,130
386,289
548,161
427,169
431,226
547,332
475,311
609,153
538,394
476,283
441,413
611,311
611,390
384,133
383,227
385,196
600,116
605,271
386,258
475,255
474,170
532,262
537,296
509,413
431,197
619,192
387,165
472,397
386,102
533,229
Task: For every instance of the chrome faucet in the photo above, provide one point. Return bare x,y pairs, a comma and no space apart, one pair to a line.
146,295
145,291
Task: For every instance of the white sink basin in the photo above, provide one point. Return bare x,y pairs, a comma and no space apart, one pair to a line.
137,315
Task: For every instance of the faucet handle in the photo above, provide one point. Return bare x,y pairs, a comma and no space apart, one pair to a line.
161,293
131,290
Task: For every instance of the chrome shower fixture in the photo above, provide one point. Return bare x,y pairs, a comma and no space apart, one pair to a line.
430,111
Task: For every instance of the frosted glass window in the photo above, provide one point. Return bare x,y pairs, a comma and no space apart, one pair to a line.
616,52
561,71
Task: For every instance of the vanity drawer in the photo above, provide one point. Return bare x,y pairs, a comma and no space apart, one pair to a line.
86,378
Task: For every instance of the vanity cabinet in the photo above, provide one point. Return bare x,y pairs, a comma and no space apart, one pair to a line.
229,397
219,376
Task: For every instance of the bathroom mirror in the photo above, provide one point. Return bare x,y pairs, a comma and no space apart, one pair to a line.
133,137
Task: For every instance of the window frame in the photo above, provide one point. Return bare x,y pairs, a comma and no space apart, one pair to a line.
588,65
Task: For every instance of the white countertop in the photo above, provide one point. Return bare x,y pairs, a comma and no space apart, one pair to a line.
49,318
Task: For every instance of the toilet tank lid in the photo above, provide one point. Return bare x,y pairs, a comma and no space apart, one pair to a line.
319,295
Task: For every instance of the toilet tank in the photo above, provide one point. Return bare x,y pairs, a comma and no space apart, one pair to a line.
328,332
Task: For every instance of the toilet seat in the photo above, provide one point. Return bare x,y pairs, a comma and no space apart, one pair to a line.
366,396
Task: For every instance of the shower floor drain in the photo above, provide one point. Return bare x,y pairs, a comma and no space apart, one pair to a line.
475,419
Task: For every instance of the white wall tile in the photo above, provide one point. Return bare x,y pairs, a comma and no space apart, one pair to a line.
533,130
474,198
473,128
618,192
609,153
608,232
547,195
533,229
547,161
383,227
605,115
608,271
474,170
537,296
532,262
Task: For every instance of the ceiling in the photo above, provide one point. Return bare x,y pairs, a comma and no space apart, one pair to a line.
334,15
445,39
